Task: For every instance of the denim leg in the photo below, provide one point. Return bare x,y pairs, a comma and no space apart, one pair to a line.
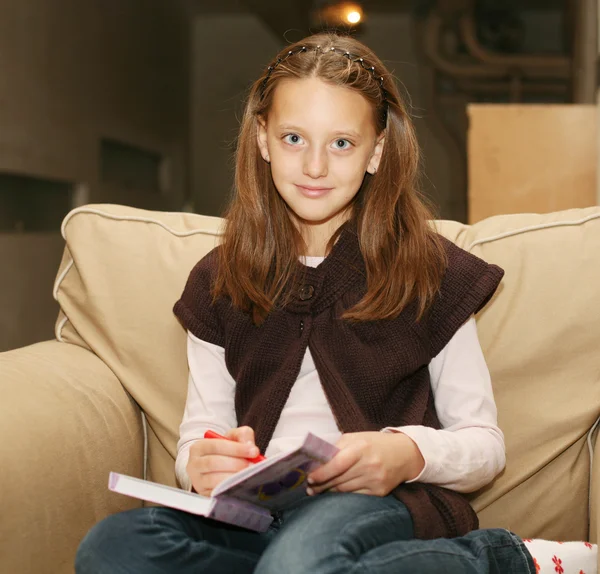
351,533
332,531
489,551
162,540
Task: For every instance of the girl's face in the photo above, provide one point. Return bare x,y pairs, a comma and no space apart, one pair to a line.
320,139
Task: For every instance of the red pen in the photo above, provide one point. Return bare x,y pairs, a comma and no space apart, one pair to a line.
213,434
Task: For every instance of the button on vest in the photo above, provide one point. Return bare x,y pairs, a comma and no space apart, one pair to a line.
306,292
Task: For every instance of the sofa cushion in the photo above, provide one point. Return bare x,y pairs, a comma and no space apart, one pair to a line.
121,273
541,335
124,268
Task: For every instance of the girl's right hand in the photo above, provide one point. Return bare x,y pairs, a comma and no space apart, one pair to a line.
212,460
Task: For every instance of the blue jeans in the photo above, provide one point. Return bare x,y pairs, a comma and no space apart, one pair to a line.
327,534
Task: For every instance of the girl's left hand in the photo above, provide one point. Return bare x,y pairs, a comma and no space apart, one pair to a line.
369,463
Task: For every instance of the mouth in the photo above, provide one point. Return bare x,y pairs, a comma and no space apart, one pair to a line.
313,191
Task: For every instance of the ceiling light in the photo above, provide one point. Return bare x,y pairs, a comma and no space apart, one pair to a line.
353,17
342,14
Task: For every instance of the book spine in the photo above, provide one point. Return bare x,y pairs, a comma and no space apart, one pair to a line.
241,513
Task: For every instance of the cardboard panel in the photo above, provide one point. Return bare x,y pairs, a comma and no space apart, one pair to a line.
530,158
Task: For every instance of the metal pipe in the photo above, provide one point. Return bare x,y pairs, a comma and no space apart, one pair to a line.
431,48
479,70
555,66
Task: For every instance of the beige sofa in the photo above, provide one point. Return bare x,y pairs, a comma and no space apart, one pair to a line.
72,407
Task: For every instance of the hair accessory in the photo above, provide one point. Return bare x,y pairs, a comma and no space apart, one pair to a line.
345,53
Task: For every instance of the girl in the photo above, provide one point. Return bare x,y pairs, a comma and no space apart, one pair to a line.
333,307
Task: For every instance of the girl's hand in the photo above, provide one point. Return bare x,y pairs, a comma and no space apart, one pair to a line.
369,463
213,460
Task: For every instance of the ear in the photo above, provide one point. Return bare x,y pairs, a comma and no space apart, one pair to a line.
375,158
261,138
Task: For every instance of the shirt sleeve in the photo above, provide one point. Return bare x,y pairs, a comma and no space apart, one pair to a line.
210,400
468,452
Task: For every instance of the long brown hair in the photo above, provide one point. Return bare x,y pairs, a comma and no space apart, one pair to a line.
405,260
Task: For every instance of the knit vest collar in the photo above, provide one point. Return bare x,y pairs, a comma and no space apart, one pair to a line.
316,288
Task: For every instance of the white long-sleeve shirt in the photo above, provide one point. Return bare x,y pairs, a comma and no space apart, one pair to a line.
467,453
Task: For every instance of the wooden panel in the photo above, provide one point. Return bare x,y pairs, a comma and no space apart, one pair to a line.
531,158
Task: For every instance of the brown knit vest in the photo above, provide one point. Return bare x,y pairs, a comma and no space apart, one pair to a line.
374,374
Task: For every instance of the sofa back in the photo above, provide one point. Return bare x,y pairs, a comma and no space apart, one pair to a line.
123,269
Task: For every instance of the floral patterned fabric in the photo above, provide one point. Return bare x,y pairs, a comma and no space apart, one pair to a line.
552,557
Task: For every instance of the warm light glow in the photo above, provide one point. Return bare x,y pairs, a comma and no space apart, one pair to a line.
344,14
353,17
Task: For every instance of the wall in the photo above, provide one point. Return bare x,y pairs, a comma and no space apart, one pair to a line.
27,309
73,73
224,64
392,38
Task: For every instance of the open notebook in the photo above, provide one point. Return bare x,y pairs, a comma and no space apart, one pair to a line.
246,498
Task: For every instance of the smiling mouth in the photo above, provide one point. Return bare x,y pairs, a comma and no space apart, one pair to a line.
312,191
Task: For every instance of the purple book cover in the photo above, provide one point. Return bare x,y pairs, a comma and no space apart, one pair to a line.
280,481
241,513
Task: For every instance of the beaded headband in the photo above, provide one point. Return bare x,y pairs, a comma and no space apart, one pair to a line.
346,54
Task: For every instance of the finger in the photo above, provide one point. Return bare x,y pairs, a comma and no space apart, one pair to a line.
242,434
359,491
344,483
350,475
204,484
347,439
204,447
338,465
217,463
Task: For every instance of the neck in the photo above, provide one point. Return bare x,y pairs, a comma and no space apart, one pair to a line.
317,236
316,244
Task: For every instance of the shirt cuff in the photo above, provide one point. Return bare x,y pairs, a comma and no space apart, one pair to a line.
180,467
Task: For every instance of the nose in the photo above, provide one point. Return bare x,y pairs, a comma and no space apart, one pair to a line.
315,163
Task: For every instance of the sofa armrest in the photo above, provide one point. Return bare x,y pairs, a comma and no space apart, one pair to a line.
65,422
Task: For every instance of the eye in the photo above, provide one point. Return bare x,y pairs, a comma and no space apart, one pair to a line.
342,144
292,139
